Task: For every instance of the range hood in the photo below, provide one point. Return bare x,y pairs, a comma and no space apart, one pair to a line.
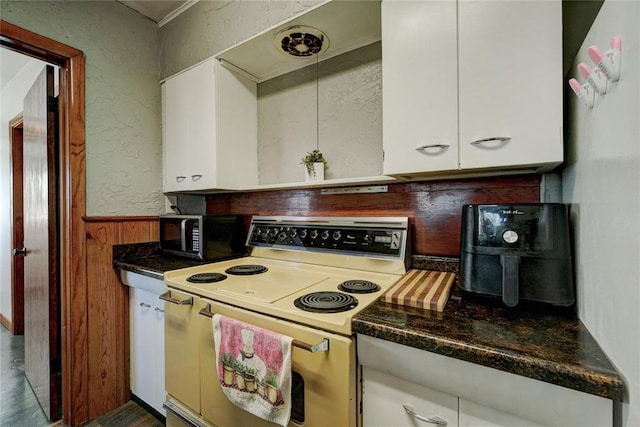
341,25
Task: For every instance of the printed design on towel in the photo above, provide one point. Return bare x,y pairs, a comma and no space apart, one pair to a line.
254,368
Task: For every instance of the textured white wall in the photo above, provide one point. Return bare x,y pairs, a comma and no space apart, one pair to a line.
349,129
602,184
350,98
11,97
123,125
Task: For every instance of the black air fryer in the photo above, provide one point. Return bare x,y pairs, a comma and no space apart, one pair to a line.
517,253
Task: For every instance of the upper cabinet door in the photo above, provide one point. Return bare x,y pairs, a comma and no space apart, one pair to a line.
175,135
189,129
419,82
202,123
510,83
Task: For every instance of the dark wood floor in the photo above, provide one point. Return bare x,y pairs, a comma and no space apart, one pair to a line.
19,407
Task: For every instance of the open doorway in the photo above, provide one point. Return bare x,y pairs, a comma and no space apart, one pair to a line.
16,226
70,209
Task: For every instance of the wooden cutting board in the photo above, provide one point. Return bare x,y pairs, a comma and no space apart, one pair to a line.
421,289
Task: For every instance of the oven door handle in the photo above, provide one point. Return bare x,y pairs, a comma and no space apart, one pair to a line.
317,348
167,297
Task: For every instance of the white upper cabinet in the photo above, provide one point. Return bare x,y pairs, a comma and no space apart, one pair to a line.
510,83
471,86
198,154
419,86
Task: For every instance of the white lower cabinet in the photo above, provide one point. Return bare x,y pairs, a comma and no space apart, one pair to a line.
385,399
463,394
146,330
474,414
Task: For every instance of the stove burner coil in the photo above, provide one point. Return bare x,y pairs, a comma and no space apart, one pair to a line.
246,269
358,287
206,278
326,302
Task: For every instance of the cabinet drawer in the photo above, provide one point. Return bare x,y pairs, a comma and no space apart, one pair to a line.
384,398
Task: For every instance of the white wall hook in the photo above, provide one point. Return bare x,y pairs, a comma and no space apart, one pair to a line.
586,94
595,77
608,62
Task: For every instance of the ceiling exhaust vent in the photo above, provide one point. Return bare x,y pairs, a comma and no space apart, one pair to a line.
302,41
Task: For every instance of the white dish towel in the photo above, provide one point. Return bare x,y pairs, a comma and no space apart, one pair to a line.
254,368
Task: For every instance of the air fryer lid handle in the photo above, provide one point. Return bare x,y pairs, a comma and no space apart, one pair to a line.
510,284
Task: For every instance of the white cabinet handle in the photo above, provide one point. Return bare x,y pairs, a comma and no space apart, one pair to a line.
428,146
143,305
431,420
492,139
180,178
196,177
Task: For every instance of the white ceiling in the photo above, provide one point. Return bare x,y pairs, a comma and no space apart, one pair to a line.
157,10
10,64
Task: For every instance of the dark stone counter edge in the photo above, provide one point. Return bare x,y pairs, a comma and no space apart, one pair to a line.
581,379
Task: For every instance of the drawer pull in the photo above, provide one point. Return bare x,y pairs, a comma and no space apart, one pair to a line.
159,310
500,139
431,420
424,148
317,348
143,305
167,297
196,177
180,178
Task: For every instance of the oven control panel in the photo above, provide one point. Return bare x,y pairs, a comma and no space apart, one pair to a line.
355,236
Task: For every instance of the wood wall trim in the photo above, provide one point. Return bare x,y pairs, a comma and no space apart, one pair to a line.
6,323
119,218
108,302
72,208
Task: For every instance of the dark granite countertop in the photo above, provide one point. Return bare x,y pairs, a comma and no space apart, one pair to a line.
146,259
555,348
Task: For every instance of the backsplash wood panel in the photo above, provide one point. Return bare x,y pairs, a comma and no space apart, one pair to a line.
433,207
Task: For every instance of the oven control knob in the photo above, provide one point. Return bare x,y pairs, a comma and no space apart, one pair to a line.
265,233
282,236
274,232
293,232
325,235
303,233
313,234
510,236
336,235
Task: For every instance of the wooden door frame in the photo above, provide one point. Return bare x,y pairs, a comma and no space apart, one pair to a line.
73,286
16,209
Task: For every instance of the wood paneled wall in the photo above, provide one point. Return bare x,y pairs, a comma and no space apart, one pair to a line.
108,309
434,207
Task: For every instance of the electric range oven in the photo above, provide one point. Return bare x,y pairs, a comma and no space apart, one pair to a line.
306,277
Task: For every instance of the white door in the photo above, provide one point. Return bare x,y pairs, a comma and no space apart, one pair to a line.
41,307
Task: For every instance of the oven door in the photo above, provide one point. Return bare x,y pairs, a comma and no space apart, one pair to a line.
323,384
181,332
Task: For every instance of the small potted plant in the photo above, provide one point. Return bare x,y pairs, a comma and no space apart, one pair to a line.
260,386
228,366
271,382
250,379
240,369
314,164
